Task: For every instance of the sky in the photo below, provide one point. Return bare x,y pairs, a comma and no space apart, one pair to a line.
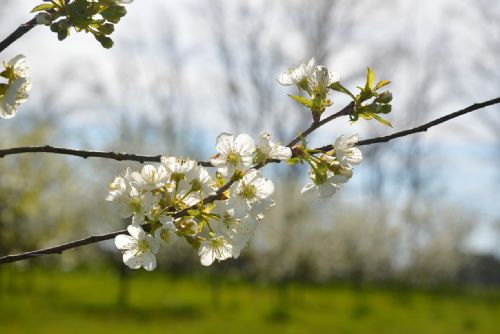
462,151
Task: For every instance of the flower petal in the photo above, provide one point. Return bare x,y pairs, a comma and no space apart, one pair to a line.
136,232
149,261
244,144
125,242
154,244
132,260
327,190
224,143
280,152
207,255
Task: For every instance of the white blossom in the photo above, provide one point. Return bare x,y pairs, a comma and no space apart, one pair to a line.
140,248
234,153
270,150
321,79
237,231
178,167
250,194
214,248
325,185
298,75
200,180
347,153
18,65
130,201
119,186
166,232
16,90
151,178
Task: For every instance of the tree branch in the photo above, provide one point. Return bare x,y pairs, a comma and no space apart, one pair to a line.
61,248
315,125
87,154
426,126
151,158
421,128
18,33
97,238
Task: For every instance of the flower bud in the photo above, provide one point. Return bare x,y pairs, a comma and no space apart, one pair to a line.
44,18
107,28
188,227
384,109
384,97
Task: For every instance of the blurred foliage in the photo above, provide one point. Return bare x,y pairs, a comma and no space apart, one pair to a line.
83,302
30,194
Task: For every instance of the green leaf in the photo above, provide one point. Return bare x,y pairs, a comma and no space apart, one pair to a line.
44,6
114,13
107,28
293,161
62,34
339,88
302,100
370,77
105,41
366,115
381,120
7,73
381,84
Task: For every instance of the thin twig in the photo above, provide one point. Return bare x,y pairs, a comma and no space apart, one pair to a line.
426,126
18,33
421,128
97,238
315,125
61,248
150,158
87,154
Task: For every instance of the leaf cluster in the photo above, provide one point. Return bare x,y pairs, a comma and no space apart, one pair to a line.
369,103
95,17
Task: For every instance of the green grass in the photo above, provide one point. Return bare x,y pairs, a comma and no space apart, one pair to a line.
87,302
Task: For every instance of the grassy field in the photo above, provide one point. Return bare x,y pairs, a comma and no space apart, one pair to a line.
56,302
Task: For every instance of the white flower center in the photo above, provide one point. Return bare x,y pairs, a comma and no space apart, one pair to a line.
228,220
142,246
164,234
233,158
135,204
248,191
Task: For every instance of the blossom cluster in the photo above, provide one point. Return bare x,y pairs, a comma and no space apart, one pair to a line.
309,77
180,198
15,90
218,213
316,80
330,170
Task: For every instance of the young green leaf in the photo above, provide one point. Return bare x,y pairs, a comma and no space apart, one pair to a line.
381,84
339,88
381,120
293,161
370,77
302,100
44,6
